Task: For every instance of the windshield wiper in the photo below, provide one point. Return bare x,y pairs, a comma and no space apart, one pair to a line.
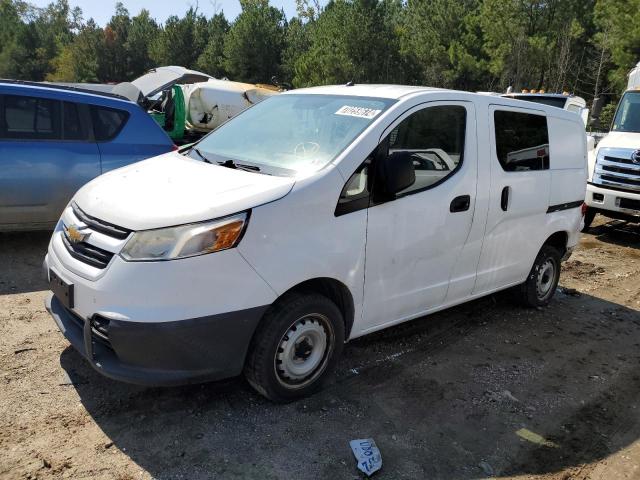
239,166
201,155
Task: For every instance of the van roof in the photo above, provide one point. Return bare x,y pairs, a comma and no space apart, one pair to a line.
366,90
397,92
66,88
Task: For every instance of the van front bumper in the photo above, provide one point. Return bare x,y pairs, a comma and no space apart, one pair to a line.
163,353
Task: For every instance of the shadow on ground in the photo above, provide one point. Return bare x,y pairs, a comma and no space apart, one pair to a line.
618,232
482,389
21,257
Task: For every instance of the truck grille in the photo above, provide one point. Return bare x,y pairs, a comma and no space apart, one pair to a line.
615,168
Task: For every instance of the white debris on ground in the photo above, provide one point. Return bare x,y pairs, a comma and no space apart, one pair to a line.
367,454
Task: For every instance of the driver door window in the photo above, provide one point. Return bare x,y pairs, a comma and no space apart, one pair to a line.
434,137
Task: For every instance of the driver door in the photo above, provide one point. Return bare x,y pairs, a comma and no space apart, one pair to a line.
415,241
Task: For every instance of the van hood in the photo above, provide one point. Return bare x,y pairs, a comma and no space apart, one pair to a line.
621,140
172,190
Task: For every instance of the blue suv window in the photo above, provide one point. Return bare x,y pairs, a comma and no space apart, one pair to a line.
30,118
74,127
107,122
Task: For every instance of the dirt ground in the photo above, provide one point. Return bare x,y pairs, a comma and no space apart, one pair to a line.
486,389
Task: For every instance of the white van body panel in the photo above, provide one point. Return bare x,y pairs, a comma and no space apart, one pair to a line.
321,246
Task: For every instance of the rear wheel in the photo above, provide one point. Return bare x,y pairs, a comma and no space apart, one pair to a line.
543,279
296,347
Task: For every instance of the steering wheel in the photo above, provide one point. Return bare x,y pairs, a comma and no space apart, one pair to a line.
304,149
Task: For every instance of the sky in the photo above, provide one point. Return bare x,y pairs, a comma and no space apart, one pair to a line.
101,10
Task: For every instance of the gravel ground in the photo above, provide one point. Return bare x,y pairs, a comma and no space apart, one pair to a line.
486,389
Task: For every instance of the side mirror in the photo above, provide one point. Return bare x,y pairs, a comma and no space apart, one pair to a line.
396,173
591,143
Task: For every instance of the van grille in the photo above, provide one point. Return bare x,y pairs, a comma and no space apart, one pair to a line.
100,241
615,168
90,254
100,225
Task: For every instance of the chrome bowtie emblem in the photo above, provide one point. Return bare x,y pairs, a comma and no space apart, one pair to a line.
635,156
74,234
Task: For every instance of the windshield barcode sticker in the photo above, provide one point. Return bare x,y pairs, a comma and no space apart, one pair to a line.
360,112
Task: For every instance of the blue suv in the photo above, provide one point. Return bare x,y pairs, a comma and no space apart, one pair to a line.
54,139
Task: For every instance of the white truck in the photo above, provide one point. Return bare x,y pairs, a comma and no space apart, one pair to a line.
614,165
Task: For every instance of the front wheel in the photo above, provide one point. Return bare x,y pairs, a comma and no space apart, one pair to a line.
541,284
296,347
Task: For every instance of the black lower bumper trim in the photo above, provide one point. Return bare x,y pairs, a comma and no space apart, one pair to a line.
164,353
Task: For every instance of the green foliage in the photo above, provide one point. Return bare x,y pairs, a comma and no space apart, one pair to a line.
253,46
619,20
181,40
351,41
582,46
211,60
606,115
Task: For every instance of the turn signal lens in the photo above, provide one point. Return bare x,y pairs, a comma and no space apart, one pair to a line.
584,209
226,236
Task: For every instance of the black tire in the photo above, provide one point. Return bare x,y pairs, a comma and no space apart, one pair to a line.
589,215
271,361
542,281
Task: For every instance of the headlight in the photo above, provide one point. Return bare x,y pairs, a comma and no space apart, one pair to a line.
186,240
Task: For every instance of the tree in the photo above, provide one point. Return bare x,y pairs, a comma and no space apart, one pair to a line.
253,46
620,20
79,61
142,31
115,64
181,41
351,41
297,43
439,40
211,60
39,40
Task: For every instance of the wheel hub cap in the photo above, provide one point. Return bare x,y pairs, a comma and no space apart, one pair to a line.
302,350
546,277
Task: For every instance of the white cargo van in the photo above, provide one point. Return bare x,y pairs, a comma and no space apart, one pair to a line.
313,218
614,165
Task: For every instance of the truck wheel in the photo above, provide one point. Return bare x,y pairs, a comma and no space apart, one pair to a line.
543,279
588,219
295,347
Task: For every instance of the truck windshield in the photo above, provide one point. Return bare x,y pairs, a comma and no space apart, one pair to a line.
627,117
293,133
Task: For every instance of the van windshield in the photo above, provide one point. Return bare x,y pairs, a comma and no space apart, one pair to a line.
627,117
293,133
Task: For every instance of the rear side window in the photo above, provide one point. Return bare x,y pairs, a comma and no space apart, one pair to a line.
30,118
73,127
522,141
107,122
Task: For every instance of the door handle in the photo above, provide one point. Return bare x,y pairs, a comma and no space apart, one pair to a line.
460,204
504,198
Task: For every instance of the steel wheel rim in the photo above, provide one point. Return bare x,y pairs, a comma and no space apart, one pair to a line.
303,351
545,279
